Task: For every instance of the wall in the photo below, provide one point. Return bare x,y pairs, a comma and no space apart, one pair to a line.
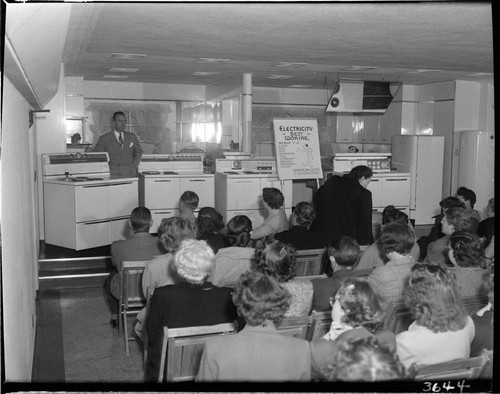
18,246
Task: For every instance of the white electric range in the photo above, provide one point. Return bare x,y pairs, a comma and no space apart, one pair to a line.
164,177
84,206
239,184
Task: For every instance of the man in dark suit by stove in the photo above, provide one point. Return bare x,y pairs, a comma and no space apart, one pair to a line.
123,148
343,206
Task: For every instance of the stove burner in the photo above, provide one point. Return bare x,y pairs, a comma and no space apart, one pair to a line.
151,172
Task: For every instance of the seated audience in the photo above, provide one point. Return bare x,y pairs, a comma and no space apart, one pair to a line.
483,321
468,197
486,228
278,260
364,360
299,235
210,224
357,312
191,302
159,271
232,261
465,262
442,330
258,353
373,256
436,233
188,203
276,220
454,219
396,241
141,246
343,252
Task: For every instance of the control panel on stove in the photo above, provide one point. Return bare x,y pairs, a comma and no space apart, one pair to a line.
246,166
174,163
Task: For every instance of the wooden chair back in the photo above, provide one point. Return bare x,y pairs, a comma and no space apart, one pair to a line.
295,326
182,349
321,322
131,299
467,368
475,302
309,262
398,317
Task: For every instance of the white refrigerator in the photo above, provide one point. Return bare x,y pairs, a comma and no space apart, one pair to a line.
423,157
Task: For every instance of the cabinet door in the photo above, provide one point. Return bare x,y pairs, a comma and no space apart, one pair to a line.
203,187
158,215
396,191
123,198
91,202
92,234
162,193
119,229
243,193
344,128
375,186
370,128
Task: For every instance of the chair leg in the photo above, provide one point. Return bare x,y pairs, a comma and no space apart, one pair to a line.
120,311
125,332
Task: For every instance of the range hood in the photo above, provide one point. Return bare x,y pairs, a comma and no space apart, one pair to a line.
362,96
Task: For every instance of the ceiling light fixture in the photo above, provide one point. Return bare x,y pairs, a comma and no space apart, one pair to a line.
359,68
211,60
127,56
480,75
204,73
290,64
279,76
422,70
124,70
115,76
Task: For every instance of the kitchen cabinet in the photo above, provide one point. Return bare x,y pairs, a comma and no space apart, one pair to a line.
390,189
87,216
161,194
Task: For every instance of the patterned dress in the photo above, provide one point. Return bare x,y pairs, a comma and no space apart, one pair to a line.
302,296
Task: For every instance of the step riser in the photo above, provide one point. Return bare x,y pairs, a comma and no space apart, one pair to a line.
71,283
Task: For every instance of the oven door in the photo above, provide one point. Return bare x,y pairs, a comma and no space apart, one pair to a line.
202,186
243,193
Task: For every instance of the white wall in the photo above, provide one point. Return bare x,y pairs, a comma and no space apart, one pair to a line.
18,246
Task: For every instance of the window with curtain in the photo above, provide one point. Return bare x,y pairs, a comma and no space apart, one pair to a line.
152,122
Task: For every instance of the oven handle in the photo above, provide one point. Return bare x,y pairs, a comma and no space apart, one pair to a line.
108,184
163,180
96,221
396,179
196,180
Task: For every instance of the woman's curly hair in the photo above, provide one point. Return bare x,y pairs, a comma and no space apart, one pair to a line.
361,305
396,237
174,230
209,221
273,197
238,231
276,259
433,299
303,214
467,248
364,359
259,298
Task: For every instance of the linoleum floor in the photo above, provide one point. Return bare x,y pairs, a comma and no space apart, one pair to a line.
74,325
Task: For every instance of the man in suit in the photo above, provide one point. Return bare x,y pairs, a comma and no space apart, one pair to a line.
141,246
344,206
124,149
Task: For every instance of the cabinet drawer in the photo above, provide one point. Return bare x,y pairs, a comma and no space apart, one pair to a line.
162,192
203,187
396,191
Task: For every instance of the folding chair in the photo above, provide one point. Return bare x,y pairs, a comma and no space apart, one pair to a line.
182,348
131,296
467,368
321,322
398,317
309,262
294,326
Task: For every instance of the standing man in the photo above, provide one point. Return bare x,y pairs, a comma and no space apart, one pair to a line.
124,149
344,206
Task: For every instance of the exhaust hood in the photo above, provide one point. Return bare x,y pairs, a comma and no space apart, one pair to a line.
362,96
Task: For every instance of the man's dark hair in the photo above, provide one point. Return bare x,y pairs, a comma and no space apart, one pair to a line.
467,194
359,172
118,113
140,219
451,202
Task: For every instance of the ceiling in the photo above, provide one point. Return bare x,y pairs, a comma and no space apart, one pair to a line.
397,39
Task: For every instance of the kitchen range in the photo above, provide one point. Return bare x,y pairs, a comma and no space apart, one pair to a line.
164,177
238,187
83,206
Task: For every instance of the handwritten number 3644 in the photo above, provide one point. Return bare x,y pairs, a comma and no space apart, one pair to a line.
447,386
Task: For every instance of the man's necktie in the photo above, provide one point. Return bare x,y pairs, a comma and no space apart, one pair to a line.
120,139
